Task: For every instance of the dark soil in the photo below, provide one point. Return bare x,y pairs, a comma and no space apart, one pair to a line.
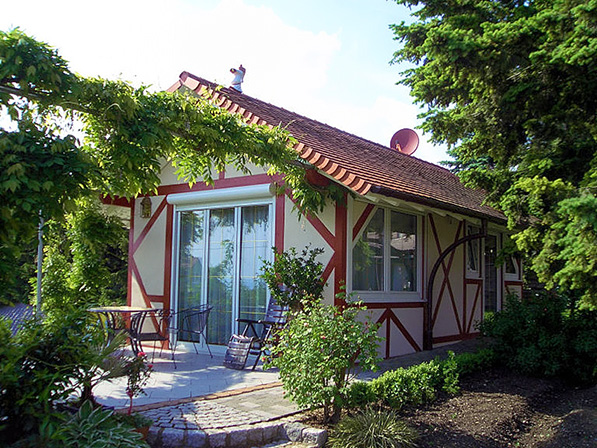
499,408
503,409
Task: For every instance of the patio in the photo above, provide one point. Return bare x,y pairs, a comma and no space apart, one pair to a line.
194,376
201,403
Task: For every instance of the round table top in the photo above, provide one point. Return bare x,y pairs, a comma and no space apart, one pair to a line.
120,309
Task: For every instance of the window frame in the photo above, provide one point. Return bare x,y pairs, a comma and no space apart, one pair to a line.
516,275
477,274
387,295
213,200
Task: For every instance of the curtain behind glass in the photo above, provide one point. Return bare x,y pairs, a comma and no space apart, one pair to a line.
368,255
403,252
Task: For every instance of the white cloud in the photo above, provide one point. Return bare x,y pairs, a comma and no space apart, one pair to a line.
312,72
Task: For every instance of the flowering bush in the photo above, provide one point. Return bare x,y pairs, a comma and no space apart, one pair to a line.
138,372
317,352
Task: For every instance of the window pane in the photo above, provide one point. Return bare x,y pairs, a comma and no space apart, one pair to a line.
510,267
403,252
192,244
255,247
220,274
368,255
473,251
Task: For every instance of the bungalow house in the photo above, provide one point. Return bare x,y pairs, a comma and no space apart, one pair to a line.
409,239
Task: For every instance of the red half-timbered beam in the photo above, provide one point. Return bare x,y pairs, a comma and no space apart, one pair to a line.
476,301
340,248
446,283
428,332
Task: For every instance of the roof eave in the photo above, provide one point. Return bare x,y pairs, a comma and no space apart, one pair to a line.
430,202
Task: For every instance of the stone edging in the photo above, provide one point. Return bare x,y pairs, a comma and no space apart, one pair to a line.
237,436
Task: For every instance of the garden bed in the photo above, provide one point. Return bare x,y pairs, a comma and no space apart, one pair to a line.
498,408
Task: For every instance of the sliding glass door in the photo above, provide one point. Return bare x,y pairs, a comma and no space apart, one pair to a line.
220,257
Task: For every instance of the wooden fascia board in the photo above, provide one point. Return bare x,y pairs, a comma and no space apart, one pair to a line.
435,204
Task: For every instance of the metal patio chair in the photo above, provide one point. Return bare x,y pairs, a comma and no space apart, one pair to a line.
138,334
255,338
190,324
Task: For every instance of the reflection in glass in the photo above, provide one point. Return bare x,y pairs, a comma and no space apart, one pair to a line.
403,244
368,255
220,274
192,245
473,251
255,247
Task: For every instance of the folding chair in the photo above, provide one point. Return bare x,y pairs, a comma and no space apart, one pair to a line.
255,337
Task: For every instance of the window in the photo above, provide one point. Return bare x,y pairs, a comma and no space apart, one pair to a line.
512,268
473,253
384,258
219,262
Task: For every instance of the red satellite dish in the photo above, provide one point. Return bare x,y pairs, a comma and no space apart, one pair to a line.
405,140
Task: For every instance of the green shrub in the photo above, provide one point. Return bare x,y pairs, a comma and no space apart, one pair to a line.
37,368
85,260
417,384
317,352
295,280
43,365
414,385
361,394
546,336
468,363
372,429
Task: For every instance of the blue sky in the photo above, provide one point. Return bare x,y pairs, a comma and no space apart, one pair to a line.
326,59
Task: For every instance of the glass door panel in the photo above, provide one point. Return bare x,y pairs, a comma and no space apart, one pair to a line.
221,257
191,259
219,263
255,247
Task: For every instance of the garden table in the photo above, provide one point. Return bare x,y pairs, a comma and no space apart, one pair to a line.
117,317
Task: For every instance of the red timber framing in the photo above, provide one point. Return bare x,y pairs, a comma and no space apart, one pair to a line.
150,300
337,242
389,315
134,244
463,318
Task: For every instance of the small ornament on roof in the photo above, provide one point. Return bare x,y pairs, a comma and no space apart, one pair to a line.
239,76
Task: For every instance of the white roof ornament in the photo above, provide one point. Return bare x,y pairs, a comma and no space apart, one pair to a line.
239,76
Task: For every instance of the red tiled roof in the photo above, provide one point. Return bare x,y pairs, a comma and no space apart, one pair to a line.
359,164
